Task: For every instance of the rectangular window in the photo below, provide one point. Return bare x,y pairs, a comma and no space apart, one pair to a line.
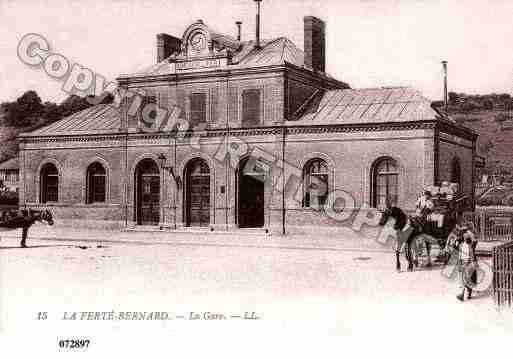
52,189
198,109
251,108
97,188
148,117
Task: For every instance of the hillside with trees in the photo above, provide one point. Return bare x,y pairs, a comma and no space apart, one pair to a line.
492,117
28,113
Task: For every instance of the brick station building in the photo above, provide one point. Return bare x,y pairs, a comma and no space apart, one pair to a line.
255,105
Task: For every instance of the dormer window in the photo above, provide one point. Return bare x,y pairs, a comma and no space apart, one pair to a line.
251,103
198,114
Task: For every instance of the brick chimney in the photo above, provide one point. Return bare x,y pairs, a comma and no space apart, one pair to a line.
166,46
315,43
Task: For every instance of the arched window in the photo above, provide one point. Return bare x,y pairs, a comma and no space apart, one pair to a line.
455,170
316,176
49,180
96,183
385,183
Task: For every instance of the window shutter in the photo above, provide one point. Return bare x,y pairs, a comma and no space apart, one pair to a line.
180,102
198,111
163,101
147,122
233,117
214,105
250,108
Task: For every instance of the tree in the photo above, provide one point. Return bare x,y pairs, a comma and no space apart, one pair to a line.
488,104
73,104
52,112
25,111
454,98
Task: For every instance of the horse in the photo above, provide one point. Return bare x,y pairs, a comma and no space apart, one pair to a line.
413,234
403,237
24,220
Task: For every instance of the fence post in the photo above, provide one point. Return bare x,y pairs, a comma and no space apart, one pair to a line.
511,227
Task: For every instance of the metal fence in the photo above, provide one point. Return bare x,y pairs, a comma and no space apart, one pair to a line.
491,225
503,274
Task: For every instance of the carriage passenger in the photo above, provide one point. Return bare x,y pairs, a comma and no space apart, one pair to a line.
424,204
424,207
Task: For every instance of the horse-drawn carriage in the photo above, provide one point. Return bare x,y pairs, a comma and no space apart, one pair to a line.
24,219
432,224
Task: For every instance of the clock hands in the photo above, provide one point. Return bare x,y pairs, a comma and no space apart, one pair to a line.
197,41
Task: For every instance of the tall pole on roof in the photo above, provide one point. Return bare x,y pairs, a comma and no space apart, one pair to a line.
239,30
446,100
257,44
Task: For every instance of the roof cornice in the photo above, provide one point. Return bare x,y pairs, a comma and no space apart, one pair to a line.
175,77
455,129
270,130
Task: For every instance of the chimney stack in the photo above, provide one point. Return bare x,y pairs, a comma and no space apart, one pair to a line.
315,43
239,30
257,35
166,46
446,99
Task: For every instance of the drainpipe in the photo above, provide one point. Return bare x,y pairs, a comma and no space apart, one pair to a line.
227,178
283,180
126,176
174,163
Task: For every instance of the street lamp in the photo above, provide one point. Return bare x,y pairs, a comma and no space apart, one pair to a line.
164,165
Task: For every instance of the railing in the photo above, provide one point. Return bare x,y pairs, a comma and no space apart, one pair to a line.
503,274
491,225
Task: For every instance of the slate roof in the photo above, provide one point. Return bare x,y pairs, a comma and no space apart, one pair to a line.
350,106
271,52
99,119
11,164
375,105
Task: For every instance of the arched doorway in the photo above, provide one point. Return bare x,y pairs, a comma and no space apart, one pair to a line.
197,193
147,190
250,197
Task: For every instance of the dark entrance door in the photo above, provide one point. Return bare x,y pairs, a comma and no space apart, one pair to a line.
250,206
147,193
197,193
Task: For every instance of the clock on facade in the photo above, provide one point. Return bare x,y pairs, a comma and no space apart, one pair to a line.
198,41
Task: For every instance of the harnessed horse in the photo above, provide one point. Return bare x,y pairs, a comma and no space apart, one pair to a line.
24,220
413,234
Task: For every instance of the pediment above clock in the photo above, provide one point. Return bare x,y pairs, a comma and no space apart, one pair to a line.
196,40
201,41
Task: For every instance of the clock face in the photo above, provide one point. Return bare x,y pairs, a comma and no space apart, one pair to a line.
198,42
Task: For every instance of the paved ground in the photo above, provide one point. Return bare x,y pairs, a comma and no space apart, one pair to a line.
294,289
367,239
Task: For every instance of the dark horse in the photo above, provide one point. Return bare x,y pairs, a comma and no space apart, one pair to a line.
413,232
24,219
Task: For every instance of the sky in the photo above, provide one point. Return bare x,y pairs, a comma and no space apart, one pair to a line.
370,43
